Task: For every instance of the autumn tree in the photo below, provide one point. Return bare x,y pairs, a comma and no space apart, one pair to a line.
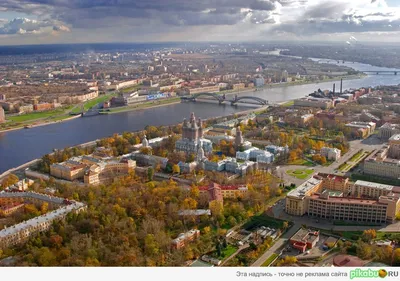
368,235
9,180
176,169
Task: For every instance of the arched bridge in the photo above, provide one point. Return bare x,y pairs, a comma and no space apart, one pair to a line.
256,99
222,98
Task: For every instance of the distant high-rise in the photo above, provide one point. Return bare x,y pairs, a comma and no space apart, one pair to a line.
341,85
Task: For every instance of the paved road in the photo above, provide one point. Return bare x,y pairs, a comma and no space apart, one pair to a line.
279,243
269,252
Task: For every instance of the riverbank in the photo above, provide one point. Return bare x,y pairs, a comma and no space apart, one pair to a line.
39,124
140,106
19,171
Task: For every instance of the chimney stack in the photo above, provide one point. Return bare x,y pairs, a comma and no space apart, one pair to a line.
341,85
334,88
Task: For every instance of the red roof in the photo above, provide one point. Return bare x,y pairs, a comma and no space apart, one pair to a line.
346,260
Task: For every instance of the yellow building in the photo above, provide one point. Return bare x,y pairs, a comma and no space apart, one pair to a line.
296,203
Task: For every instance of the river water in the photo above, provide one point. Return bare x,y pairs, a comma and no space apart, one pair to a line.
20,146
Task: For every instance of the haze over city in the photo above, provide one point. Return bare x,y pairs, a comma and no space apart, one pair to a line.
89,21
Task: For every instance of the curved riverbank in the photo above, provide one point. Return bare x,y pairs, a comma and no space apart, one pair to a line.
40,124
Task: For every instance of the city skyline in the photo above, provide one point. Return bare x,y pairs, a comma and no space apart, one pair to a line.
59,21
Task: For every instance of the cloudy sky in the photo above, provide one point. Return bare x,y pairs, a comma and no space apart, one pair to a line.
81,21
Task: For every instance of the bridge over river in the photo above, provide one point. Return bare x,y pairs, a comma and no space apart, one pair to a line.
222,98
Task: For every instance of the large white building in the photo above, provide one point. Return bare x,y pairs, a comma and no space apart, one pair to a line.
387,130
331,153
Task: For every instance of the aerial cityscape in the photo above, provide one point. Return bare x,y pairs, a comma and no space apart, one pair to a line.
185,148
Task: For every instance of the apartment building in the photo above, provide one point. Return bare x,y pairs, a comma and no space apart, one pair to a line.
218,192
238,86
386,161
344,209
93,170
335,182
21,232
370,189
364,129
7,210
69,170
106,172
207,89
314,102
361,201
296,199
184,238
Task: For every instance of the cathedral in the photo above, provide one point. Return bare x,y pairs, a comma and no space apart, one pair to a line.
192,138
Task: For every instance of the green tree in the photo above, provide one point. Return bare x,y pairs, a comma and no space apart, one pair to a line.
150,174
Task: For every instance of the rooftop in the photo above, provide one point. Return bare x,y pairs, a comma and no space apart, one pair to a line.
305,235
395,137
344,200
60,212
306,186
198,212
374,185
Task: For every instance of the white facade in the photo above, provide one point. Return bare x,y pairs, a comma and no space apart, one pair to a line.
331,153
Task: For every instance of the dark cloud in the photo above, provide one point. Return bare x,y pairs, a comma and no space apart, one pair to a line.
177,12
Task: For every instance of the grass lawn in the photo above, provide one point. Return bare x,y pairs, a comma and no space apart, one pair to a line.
270,259
89,104
387,235
349,235
300,173
131,89
225,253
301,162
100,99
35,115
345,167
355,156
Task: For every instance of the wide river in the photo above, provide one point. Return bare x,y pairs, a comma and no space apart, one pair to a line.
20,146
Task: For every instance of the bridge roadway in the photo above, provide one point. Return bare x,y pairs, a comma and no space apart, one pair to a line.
222,98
